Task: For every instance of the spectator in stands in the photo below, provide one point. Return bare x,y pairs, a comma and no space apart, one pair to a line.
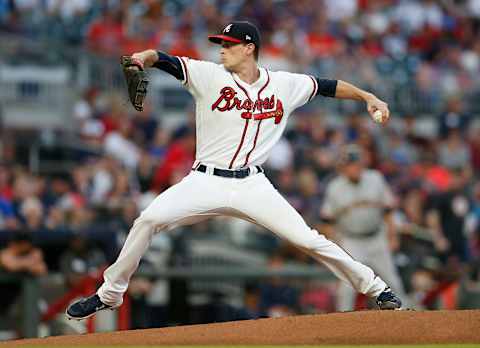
115,113
145,170
66,19
56,220
308,188
454,151
447,213
423,281
287,44
121,192
87,126
8,220
473,224
128,213
317,297
32,213
80,259
97,227
119,144
159,145
474,143
323,163
102,177
107,33
59,192
145,126
184,45
20,255
454,117
277,297
67,10
286,183
178,161
414,234
6,189
410,218
321,42
399,150
81,178
145,26
434,177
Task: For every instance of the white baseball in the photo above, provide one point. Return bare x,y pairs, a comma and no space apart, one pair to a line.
378,116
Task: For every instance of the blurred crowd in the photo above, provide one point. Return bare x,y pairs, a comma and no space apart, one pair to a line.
78,219
432,45
75,221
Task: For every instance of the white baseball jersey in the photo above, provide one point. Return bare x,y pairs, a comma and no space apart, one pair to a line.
237,123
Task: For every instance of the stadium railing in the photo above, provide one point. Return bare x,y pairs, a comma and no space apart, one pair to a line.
31,316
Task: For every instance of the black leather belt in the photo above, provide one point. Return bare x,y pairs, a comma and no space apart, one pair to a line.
238,174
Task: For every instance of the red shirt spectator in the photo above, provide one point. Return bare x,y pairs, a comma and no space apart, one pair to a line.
321,42
184,46
436,176
115,116
6,191
372,46
106,34
475,151
422,40
177,163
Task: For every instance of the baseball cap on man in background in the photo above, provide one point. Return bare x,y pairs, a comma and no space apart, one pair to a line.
351,162
350,154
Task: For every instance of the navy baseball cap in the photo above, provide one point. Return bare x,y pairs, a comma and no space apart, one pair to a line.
238,32
351,153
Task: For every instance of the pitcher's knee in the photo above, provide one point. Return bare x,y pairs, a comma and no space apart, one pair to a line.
313,241
146,222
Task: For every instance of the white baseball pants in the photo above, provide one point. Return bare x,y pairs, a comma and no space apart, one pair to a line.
200,196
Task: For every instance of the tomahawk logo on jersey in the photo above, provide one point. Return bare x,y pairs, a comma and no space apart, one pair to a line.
239,123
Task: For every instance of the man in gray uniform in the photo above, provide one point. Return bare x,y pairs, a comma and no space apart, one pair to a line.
358,204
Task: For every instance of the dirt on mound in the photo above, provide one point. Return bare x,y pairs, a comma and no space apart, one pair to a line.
367,327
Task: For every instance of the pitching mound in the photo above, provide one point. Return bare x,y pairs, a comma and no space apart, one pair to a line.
367,327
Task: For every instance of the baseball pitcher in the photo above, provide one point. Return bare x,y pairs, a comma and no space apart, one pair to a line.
241,111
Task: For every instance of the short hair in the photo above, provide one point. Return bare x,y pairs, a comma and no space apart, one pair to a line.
256,52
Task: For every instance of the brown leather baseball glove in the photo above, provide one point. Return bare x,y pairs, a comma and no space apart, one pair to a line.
137,80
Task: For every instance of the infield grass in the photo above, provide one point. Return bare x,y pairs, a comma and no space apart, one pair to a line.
328,346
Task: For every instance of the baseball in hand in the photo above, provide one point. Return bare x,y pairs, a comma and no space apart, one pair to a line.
378,116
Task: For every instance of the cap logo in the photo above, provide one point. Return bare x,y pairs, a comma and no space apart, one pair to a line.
227,28
247,37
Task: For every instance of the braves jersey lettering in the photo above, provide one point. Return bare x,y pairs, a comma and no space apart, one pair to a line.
228,100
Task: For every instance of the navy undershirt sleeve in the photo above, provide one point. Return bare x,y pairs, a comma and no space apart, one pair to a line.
170,65
326,87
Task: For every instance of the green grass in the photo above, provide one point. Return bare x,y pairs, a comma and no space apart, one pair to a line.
343,346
